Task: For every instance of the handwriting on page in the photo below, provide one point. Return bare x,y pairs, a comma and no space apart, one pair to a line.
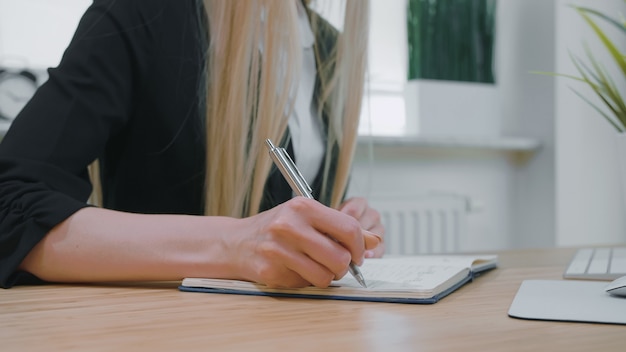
402,274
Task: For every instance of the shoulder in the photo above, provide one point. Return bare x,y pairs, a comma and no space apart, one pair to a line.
140,24
145,7
140,14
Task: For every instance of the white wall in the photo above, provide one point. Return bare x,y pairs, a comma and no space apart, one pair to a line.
568,192
484,177
34,33
517,199
525,42
590,208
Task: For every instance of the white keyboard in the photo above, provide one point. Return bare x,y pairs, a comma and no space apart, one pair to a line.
597,264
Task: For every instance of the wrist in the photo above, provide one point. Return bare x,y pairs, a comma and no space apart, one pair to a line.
213,252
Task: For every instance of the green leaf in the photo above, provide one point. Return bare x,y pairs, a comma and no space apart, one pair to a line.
620,25
617,55
601,87
607,117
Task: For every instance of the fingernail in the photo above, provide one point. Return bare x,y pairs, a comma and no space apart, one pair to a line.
369,254
373,234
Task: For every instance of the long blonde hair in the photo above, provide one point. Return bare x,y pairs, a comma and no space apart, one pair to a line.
248,95
252,64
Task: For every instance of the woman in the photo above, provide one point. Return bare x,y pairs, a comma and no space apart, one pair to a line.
175,99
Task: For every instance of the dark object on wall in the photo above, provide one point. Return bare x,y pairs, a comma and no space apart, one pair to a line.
451,40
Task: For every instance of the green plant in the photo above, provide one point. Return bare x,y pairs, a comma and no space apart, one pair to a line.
451,39
596,76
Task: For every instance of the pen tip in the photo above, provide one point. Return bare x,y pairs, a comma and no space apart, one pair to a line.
361,281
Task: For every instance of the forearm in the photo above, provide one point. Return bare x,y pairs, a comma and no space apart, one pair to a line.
295,244
102,245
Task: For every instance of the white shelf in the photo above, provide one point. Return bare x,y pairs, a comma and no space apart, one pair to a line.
506,144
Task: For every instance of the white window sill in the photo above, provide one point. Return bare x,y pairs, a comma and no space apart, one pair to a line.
518,150
512,144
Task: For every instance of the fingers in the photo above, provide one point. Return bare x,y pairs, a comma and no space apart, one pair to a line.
372,240
355,207
284,267
335,225
316,245
292,245
370,221
302,242
359,209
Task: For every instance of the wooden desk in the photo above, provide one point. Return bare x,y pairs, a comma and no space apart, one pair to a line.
153,317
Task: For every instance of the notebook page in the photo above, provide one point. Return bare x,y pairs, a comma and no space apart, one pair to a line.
415,273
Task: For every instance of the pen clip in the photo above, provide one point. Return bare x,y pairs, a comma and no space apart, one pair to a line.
289,170
291,165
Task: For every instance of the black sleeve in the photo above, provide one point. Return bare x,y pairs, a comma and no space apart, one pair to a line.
85,102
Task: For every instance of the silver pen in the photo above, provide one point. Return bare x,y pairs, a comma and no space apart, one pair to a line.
299,185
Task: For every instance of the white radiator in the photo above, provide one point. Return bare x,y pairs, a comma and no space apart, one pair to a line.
423,224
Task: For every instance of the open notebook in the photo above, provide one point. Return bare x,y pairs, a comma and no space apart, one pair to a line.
403,279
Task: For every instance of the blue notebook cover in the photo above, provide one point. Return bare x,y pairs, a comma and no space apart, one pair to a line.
408,279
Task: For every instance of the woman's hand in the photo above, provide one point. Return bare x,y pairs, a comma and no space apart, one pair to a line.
299,243
369,218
